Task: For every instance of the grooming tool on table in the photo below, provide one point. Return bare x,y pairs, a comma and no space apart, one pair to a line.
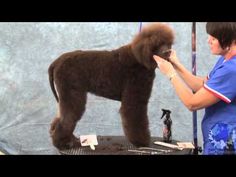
186,145
151,151
144,152
156,149
172,146
89,140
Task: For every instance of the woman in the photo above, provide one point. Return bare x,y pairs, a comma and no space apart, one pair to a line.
216,93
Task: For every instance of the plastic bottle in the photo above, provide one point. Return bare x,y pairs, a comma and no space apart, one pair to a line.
167,129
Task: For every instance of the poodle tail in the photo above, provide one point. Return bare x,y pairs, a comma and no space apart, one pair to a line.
51,80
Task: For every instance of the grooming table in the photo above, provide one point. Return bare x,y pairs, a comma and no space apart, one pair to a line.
118,145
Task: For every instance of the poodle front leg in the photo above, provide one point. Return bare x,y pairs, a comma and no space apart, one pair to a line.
135,124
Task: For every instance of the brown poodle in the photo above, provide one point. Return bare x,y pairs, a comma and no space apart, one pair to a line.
125,74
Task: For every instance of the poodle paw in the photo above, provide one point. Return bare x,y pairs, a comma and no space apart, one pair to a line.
73,142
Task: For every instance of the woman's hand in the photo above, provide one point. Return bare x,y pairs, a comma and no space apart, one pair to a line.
165,67
173,58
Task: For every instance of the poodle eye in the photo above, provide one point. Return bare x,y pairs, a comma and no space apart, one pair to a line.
165,54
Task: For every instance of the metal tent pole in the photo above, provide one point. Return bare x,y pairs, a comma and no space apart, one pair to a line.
194,71
140,26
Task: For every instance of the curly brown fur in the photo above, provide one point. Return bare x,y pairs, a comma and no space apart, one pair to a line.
125,74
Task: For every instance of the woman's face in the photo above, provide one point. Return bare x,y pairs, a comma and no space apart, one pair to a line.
215,46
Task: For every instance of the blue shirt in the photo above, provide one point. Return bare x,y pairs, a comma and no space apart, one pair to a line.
219,121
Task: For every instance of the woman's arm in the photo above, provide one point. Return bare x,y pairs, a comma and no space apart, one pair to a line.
201,99
194,82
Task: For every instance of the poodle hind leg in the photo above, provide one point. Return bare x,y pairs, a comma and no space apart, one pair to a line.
53,125
60,140
135,125
71,110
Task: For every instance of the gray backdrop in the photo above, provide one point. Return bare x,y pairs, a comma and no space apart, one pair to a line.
27,105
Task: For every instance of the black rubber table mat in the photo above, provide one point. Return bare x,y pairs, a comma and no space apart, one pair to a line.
118,145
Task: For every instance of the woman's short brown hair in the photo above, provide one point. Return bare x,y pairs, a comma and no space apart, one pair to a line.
225,32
